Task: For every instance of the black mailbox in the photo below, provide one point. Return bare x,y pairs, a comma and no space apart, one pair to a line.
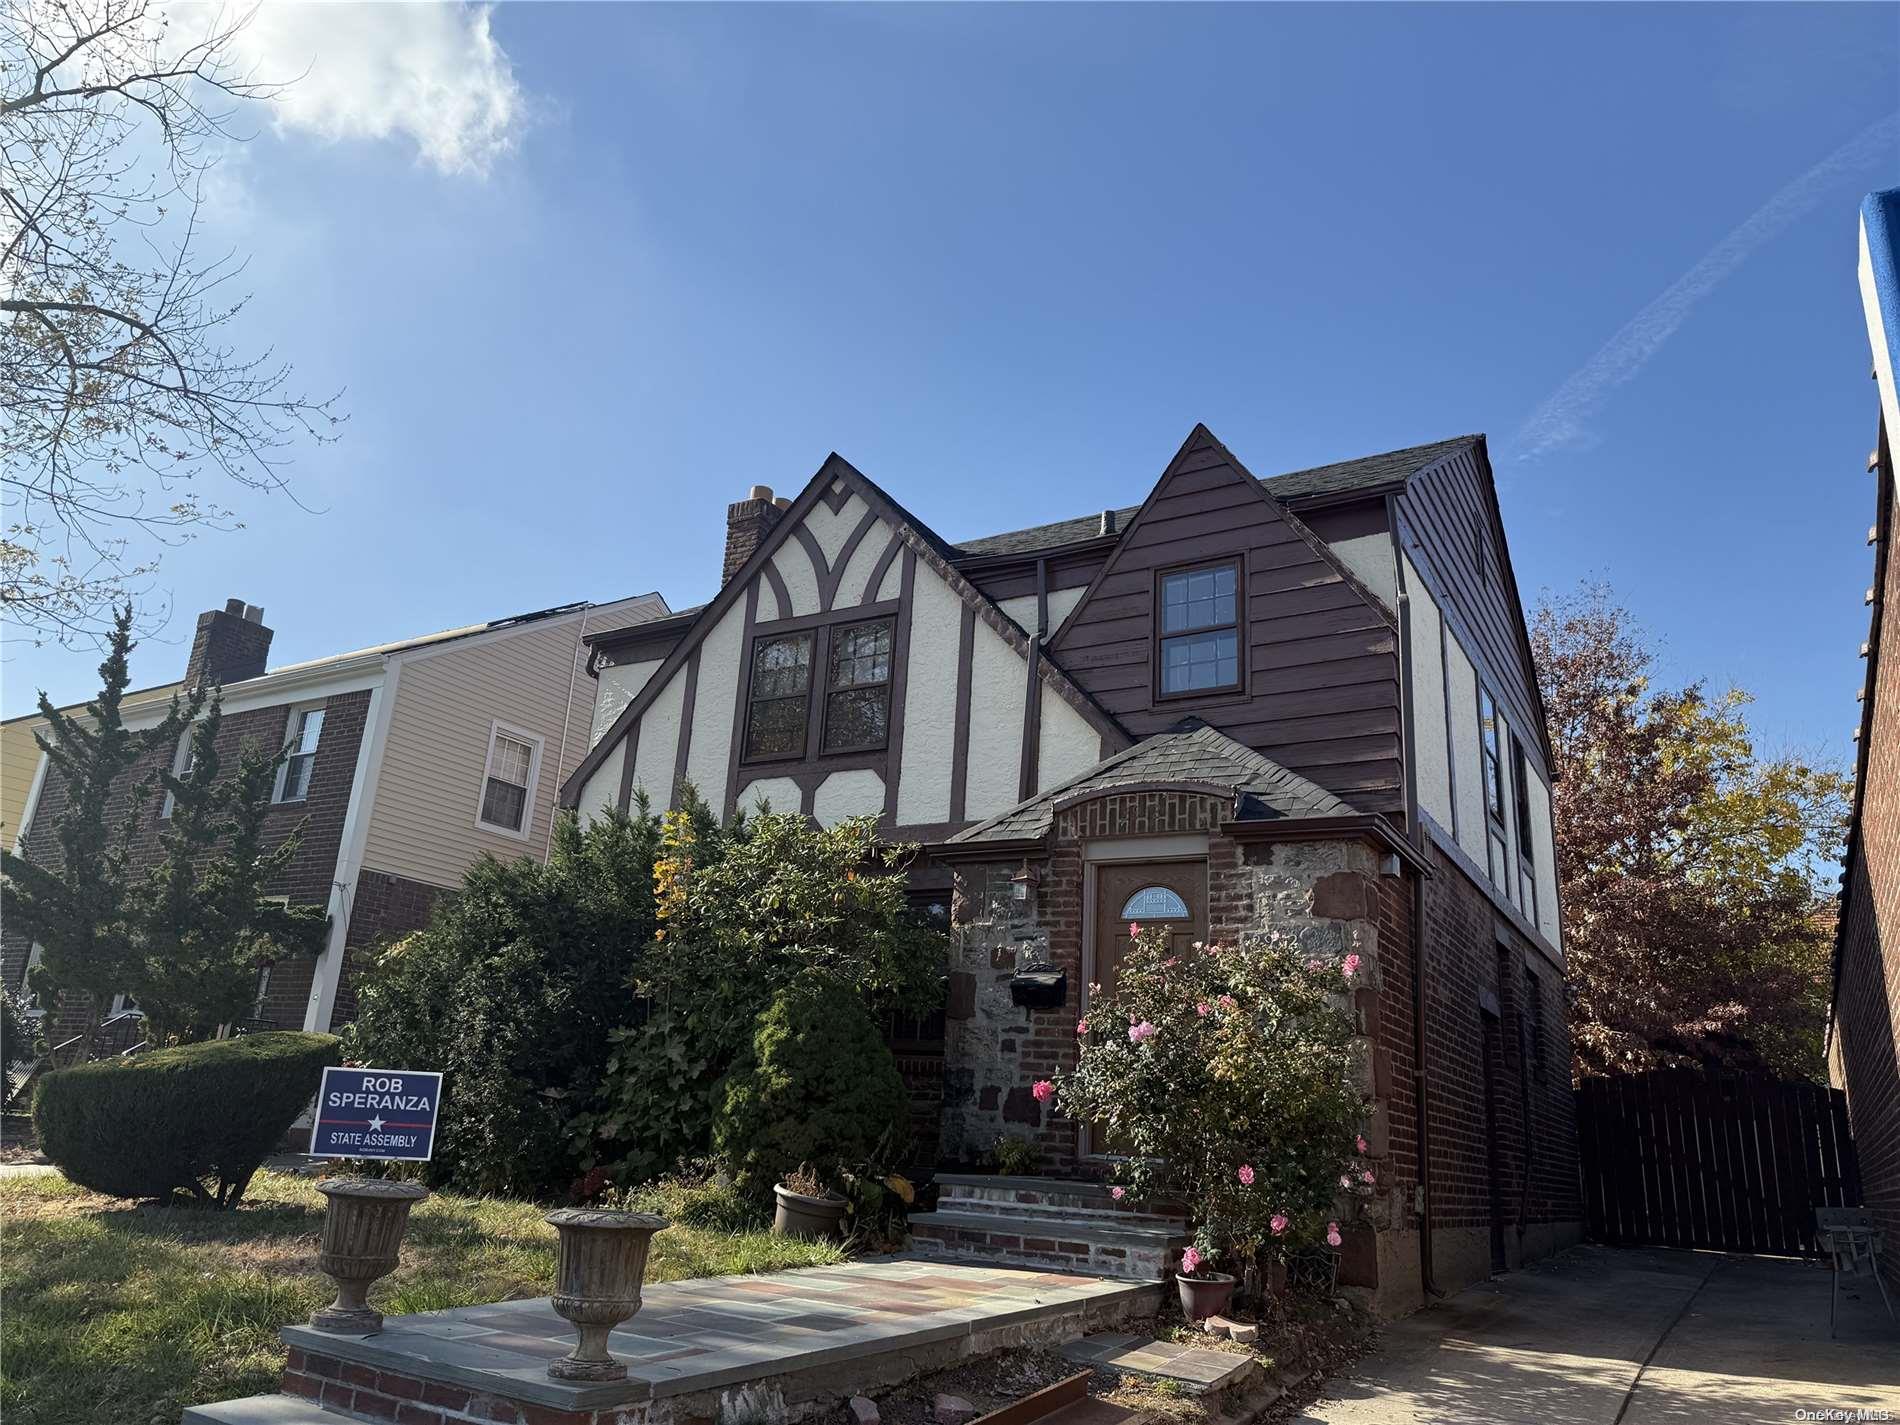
1040,988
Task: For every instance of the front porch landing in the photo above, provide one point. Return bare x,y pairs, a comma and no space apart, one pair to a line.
778,1346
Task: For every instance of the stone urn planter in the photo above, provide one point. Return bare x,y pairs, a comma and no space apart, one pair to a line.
801,1214
362,1242
597,1284
1205,1295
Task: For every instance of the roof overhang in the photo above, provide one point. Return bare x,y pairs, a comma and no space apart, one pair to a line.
1367,827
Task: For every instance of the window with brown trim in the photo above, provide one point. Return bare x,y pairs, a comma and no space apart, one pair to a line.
858,687
1490,747
779,699
1197,630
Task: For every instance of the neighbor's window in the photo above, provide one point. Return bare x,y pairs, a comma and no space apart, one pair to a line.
858,687
508,782
293,778
780,693
182,762
1521,799
1200,629
1490,735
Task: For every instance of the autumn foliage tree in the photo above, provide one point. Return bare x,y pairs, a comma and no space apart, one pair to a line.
1691,864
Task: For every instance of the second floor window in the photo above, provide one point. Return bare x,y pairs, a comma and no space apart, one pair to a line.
779,706
183,760
1491,749
858,687
854,687
508,781
1199,635
293,782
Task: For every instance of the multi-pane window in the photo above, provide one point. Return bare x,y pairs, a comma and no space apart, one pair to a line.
1200,629
294,781
1526,860
858,687
1490,741
779,696
183,760
508,781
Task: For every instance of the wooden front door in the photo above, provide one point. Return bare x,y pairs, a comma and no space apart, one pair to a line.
1171,894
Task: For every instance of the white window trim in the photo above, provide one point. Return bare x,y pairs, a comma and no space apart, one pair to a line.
520,734
181,759
293,727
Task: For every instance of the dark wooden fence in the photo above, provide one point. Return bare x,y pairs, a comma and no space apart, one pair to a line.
1680,1158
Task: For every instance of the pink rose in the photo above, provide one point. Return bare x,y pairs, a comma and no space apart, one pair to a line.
1350,965
1190,1262
1332,1234
1081,1026
1170,962
1134,928
1315,965
1137,1033
1043,1091
1360,1142
1118,1193
1203,1008
1229,1002
1366,1176
1278,1223
1245,1175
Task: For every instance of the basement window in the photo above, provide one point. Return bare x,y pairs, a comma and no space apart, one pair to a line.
514,763
1198,630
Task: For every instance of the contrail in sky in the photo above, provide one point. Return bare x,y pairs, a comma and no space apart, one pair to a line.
1560,421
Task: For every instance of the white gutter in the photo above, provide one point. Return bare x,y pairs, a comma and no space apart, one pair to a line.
32,803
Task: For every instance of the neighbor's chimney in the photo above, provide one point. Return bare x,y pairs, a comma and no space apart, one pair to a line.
747,524
231,645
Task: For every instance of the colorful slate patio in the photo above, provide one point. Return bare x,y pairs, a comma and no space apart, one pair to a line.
790,1342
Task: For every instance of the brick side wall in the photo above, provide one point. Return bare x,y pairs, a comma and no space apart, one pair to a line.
1866,1017
306,881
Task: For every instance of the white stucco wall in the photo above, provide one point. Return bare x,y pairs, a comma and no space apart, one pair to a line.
781,792
1065,745
1370,557
857,574
1022,608
1427,676
930,701
1062,603
659,743
831,531
1545,856
616,688
601,791
716,693
801,583
1461,694
859,792
893,585
999,682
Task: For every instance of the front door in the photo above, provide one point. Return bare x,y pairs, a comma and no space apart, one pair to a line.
1170,894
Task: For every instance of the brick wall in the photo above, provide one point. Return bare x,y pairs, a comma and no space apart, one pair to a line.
306,881
1866,1012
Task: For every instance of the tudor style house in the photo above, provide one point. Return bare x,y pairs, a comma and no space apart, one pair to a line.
1302,705
408,761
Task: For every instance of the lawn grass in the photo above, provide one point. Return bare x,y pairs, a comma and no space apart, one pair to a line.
112,1312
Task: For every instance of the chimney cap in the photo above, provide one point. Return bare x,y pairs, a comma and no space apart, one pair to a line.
253,613
782,503
760,492
234,606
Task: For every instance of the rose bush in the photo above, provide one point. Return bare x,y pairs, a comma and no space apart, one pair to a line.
1231,1079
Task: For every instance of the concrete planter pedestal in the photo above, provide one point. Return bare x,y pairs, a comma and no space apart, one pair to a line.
362,1243
597,1284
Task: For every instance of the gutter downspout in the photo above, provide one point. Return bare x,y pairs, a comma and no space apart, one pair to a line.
1414,829
567,718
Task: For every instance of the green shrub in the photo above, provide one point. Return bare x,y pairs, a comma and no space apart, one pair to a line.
696,1198
516,990
815,1085
197,1119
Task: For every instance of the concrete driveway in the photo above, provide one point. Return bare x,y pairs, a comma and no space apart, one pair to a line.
1602,1336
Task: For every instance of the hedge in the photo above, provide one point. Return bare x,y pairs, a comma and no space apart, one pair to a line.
198,1119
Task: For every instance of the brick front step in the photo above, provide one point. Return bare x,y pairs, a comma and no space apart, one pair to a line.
265,1410
1131,1252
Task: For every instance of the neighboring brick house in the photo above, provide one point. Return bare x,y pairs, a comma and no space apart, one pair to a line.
408,761
1864,1019
1302,704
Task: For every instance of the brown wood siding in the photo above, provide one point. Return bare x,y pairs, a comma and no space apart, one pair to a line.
1443,514
1321,695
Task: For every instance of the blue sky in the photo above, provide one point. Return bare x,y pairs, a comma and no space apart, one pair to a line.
610,265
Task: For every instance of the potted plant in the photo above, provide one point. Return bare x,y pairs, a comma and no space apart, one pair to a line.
1230,1077
806,1206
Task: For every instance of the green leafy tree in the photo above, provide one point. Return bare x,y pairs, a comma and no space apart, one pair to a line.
1690,863
203,920
76,907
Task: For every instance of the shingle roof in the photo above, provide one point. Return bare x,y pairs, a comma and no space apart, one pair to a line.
1263,789
1367,472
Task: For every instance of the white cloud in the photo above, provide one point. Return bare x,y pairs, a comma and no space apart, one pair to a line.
1563,419
429,73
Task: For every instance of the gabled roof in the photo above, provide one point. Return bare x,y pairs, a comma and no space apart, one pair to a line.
919,538
1367,473
1262,789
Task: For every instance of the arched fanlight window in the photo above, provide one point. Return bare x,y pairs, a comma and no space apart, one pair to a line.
1155,903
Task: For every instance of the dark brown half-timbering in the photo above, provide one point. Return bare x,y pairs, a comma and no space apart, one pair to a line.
1319,690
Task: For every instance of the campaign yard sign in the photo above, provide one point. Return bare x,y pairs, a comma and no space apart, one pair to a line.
376,1113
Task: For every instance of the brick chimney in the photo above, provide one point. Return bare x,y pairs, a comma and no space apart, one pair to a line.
231,645
748,522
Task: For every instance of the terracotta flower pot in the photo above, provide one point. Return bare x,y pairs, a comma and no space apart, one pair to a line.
362,1242
1205,1295
597,1284
800,1215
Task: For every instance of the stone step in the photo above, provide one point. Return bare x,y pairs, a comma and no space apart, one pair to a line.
1128,1251
1060,1212
1195,1369
265,1410
965,1190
